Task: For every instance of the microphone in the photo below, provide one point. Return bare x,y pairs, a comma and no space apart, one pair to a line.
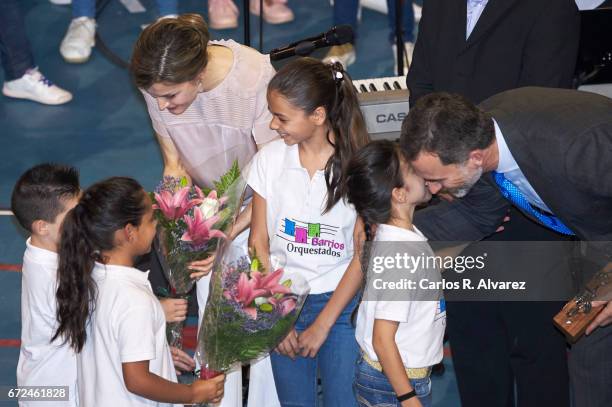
338,35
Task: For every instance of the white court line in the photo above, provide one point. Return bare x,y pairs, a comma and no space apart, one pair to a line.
5,213
133,6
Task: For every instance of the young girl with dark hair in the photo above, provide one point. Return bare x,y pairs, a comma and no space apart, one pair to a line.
400,337
106,310
299,215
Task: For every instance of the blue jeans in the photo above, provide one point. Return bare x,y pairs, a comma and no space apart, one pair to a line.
15,51
372,388
296,380
87,8
345,12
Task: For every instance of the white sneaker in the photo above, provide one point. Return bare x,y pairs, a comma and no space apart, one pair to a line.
408,50
61,2
345,54
34,86
79,40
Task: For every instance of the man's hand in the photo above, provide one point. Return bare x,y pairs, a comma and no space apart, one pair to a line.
603,318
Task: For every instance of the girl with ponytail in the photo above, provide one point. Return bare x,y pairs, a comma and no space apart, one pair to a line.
105,307
299,215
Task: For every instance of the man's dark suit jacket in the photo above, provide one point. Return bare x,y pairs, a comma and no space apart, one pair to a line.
562,141
515,43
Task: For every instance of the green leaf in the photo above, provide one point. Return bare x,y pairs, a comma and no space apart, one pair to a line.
184,182
227,179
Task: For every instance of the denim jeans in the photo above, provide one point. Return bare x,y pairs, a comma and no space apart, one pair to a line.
87,8
372,388
15,51
83,8
345,12
296,380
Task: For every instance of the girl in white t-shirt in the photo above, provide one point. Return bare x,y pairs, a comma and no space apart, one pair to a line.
400,332
299,215
106,310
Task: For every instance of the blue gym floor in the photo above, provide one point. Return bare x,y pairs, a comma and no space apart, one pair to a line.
105,129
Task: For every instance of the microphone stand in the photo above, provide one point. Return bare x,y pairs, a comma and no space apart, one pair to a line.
398,37
247,23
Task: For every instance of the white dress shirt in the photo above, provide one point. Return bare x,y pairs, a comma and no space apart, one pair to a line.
508,166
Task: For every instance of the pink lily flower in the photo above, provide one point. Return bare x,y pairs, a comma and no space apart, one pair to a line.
200,231
175,206
286,304
269,282
247,291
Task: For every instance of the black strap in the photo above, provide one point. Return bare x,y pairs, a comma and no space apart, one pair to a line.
406,396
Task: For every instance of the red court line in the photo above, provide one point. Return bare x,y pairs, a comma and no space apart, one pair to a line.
10,343
10,267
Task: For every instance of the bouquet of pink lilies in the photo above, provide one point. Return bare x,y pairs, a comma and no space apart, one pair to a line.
249,311
192,223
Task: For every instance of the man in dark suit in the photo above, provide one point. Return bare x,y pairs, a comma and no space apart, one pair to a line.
556,145
514,43
478,48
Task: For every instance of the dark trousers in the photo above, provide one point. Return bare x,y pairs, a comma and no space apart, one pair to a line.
498,347
15,51
590,358
159,282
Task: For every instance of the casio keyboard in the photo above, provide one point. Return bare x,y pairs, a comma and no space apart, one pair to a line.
384,103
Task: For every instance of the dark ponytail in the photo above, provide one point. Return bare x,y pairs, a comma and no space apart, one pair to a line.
307,83
370,177
88,230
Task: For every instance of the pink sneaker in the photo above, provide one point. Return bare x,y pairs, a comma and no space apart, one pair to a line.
222,14
274,11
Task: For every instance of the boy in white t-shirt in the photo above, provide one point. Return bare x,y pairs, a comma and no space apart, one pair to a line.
40,200
400,332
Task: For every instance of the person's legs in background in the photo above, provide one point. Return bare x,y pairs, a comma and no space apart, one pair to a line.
21,77
407,31
345,12
223,14
80,37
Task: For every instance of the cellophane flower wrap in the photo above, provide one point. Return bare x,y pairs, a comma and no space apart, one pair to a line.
192,224
249,311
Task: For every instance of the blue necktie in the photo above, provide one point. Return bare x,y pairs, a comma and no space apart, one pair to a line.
514,195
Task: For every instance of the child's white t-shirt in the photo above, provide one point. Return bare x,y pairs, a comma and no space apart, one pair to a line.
127,325
317,246
42,363
420,333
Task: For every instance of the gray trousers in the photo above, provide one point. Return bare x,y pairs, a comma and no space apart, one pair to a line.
590,368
